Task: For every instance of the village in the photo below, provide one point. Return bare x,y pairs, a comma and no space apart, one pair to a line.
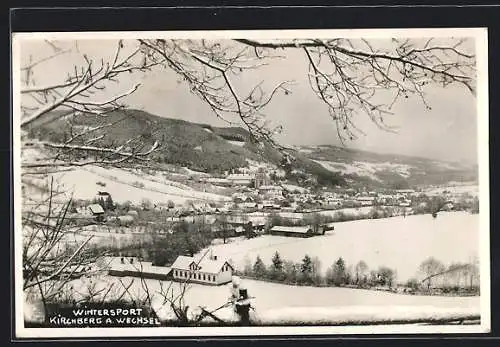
258,206
258,216
255,198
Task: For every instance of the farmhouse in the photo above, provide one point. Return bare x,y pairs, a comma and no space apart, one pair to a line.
103,195
271,191
134,267
241,179
216,181
405,203
206,271
249,206
201,207
334,202
97,212
293,231
366,200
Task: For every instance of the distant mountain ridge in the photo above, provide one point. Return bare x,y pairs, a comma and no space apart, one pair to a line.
207,148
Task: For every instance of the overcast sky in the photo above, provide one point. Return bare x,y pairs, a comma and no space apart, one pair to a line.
447,132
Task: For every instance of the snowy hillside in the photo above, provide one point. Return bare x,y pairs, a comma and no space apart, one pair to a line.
365,168
123,185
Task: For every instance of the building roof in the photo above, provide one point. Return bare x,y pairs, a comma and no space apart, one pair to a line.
271,187
182,262
206,265
366,198
292,229
96,208
240,177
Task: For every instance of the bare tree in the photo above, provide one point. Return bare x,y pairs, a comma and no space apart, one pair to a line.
80,94
52,253
360,270
349,76
431,267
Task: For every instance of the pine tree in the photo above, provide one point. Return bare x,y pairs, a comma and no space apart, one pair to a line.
259,268
277,262
339,273
276,268
306,264
306,268
102,203
110,205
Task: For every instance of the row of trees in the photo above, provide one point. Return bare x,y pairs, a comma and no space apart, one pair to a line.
433,273
308,272
314,219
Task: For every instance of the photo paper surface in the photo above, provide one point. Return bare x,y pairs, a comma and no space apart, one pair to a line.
230,183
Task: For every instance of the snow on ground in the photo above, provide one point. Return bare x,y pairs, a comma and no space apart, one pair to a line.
125,186
398,242
276,302
158,177
351,211
31,154
255,165
365,168
193,172
237,143
346,168
472,189
447,165
306,150
291,188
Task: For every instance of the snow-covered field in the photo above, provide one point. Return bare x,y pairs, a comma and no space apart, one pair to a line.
365,168
400,243
275,302
293,188
125,185
472,189
237,143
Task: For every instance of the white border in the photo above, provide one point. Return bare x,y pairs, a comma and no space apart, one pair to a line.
480,35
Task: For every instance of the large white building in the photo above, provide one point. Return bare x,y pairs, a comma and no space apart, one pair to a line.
207,271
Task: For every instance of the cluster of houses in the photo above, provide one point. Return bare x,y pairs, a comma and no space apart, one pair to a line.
255,191
290,200
243,178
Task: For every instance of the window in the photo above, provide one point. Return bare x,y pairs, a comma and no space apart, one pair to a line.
204,277
175,273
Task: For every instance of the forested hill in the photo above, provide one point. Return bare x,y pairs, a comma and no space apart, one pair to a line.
212,149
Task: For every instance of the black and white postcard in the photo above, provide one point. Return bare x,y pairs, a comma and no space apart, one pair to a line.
230,183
